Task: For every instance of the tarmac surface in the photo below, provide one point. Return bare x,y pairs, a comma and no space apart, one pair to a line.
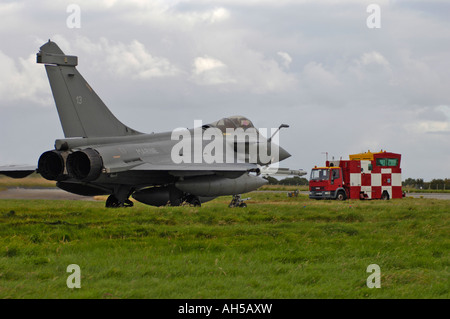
56,193
429,195
41,193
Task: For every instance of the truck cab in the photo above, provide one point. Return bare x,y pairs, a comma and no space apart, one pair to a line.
327,183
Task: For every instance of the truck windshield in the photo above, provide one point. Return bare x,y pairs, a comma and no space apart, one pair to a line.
387,161
320,174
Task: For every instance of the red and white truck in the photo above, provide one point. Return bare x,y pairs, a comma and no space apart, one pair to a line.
363,176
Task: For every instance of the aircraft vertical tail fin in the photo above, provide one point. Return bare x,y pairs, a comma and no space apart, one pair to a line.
81,111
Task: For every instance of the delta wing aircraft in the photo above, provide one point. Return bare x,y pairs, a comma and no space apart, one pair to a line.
101,156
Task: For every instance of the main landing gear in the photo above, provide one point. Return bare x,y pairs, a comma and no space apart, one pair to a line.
113,202
120,197
192,200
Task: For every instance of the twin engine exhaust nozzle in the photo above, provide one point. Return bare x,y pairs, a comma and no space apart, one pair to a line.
85,165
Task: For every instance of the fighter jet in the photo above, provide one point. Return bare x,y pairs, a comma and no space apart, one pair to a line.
102,156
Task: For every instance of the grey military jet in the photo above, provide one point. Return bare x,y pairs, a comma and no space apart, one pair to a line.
101,156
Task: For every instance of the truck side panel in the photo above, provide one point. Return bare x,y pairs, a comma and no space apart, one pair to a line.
355,179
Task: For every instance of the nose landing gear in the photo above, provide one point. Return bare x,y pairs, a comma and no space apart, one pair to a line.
237,201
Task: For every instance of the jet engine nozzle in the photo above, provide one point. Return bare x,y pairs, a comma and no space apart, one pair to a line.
85,165
51,165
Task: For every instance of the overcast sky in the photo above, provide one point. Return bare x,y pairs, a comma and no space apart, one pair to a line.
343,87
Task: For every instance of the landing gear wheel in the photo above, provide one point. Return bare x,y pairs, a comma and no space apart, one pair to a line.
385,196
112,202
194,201
237,201
191,200
341,196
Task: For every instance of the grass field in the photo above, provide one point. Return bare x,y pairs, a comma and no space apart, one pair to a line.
277,247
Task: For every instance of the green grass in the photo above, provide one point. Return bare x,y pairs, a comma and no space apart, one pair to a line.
277,247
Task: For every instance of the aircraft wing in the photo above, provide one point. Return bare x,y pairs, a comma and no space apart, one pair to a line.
17,171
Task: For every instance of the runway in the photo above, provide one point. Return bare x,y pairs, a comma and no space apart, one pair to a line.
41,193
429,195
59,194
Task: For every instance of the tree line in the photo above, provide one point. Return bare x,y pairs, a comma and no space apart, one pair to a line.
434,184
296,180
418,183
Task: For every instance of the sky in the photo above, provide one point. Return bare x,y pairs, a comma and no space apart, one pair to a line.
345,76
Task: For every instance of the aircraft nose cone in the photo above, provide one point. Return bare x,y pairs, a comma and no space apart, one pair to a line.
283,154
262,181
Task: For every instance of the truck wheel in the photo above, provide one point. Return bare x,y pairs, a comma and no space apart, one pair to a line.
385,196
341,196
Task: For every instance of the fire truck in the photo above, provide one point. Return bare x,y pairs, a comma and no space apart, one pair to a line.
364,176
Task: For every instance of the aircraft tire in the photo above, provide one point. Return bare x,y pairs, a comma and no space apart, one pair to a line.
112,202
194,201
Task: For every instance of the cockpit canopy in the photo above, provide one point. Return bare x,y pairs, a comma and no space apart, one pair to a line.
232,122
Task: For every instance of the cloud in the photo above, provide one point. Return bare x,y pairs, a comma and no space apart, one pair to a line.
431,127
23,80
258,74
434,120
373,58
247,70
8,11
317,75
215,15
321,86
210,71
134,60
131,60
286,58
167,14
